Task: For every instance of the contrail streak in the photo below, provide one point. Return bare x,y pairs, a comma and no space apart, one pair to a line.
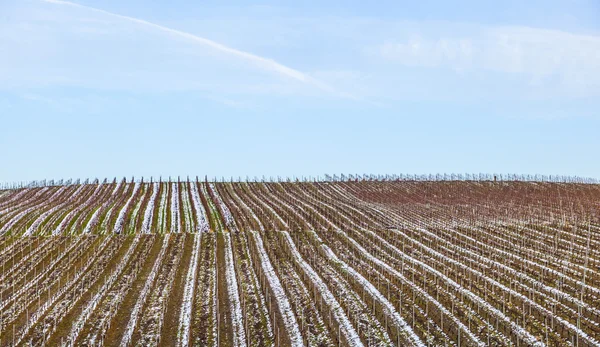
265,63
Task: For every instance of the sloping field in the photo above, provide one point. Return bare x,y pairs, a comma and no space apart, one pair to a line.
354,263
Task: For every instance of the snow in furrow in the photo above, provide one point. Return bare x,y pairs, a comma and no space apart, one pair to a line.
44,215
149,212
348,206
92,221
34,318
132,220
268,207
16,219
347,328
91,306
389,308
529,262
520,331
187,216
162,210
414,287
562,261
135,313
39,275
48,242
517,329
120,223
213,210
229,221
175,225
239,336
117,187
289,319
11,203
255,282
59,229
19,216
19,194
236,196
185,319
69,216
296,214
314,210
536,285
201,219
34,226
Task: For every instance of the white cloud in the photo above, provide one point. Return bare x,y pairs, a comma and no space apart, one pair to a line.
57,43
540,55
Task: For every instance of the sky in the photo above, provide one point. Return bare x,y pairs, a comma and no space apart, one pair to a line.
115,88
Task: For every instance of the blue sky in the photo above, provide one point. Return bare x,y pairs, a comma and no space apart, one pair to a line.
147,88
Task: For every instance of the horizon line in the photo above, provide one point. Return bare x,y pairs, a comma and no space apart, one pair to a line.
445,177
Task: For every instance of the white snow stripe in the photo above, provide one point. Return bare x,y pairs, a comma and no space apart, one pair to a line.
201,217
133,318
414,287
185,319
289,319
388,307
149,212
91,306
347,328
229,220
120,223
70,215
175,225
239,336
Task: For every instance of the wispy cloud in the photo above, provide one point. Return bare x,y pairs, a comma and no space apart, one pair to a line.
265,63
538,54
375,61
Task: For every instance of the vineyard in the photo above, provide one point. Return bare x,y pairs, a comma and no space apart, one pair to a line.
340,262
